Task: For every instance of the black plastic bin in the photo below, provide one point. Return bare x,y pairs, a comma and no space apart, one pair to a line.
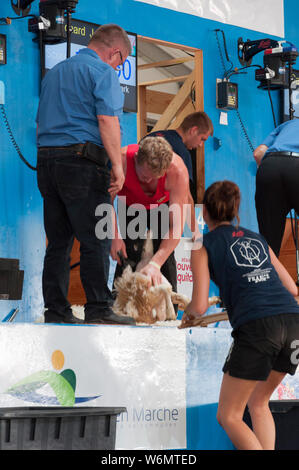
286,417
58,428
11,279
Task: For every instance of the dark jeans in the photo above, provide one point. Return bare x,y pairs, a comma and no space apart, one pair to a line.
72,188
134,248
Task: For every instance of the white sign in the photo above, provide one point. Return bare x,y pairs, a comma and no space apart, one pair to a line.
184,273
266,16
183,255
140,368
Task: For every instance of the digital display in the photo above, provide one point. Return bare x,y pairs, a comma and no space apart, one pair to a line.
81,32
2,49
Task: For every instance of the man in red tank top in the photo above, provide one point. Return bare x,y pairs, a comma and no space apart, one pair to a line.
156,183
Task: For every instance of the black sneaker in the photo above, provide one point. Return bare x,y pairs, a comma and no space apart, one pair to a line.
110,318
68,320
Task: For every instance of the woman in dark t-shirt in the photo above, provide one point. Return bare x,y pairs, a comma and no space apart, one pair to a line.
258,294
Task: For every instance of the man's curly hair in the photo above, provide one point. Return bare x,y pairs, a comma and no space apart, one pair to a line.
156,152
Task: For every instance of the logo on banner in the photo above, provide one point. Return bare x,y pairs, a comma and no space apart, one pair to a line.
63,385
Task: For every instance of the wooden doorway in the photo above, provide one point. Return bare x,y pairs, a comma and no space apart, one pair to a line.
160,109
287,254
171,108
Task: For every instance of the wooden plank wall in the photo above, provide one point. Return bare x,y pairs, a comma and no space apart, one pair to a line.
76,292
288,251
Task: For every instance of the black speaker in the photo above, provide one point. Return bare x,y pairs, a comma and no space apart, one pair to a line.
286,418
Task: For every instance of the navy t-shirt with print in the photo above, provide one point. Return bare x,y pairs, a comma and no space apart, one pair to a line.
249,286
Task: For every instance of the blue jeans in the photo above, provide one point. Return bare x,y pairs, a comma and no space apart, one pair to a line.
72,187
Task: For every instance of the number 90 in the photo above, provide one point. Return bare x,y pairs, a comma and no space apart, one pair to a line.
125,71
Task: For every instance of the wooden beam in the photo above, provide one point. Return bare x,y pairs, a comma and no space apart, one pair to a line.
187,109
180,78
165,63
199,106
287,254
157,101
198,81
141,114
167,44
175,104
200,174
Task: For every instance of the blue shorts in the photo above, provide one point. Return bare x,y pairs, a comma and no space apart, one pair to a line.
263,345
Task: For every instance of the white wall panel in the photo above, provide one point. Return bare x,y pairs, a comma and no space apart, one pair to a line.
265,16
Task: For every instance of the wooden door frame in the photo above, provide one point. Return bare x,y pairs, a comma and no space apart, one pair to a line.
174,107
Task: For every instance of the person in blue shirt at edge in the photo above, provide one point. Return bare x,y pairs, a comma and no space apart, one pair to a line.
79,167
259,295
277,181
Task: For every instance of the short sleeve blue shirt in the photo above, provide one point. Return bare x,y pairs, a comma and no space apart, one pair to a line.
73,94
284,138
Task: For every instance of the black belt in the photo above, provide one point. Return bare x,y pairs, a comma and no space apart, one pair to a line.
88,150
282,154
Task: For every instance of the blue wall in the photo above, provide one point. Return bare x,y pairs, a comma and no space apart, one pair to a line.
21,224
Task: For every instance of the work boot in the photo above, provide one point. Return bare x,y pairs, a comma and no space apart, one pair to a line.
108,317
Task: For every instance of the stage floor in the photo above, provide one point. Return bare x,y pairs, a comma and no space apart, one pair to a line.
167,379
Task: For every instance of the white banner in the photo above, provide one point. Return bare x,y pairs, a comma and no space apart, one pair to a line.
142,369
184,273
183,255
265,16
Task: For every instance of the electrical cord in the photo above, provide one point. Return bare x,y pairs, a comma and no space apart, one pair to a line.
270,98
236,71
226,73
271,102
245,131
13,140
225,50
7,20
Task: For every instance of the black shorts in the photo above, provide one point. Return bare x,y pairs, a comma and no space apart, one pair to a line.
270,343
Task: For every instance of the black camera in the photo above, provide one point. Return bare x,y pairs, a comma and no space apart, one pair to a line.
275,74
52,19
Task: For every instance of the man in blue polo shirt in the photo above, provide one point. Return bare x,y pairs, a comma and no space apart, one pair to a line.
79,143
277,181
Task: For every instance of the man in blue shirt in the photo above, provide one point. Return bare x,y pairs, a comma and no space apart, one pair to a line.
79,142
277,181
